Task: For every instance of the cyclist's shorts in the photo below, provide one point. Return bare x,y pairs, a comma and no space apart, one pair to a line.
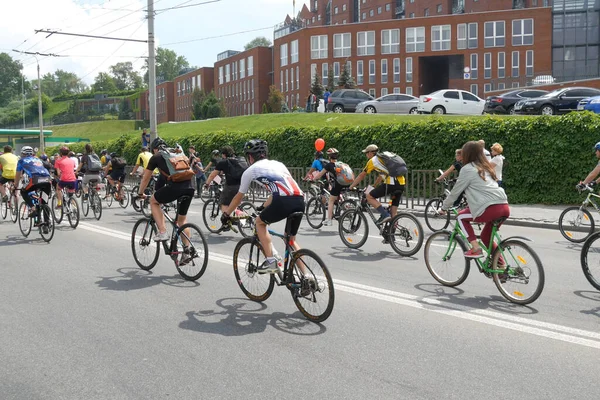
280,208
91,177
170,193
337,189
228,193
68,185
118,175
4,180
394,191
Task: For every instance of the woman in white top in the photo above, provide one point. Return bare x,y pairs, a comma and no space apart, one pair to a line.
498,162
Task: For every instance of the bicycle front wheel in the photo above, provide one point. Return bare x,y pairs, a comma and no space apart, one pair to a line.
246,225
205,194
315,212
3,207
73,213
47,223
576,224
445,259
522,279
96,205
353,228
312,289
433,219
14,208
24,221
247,257
211,215
194,257
590,260
57,212
145,250
405,234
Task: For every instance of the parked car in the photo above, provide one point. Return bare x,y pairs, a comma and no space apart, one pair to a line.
590,104
346,100
543,80
391,103
451,101
504,103
559,101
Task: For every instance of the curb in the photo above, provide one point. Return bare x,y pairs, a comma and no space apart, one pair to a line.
510,221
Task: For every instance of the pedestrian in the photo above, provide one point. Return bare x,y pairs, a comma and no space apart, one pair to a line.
486,153
315,102
145,138
308,102
326,98
498,162
198,168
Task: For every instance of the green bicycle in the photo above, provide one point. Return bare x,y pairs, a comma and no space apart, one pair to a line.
515,268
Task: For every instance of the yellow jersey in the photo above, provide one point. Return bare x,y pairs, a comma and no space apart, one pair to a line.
143,159
9,165
375,165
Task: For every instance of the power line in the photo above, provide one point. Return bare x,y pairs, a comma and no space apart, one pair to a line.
89,36
182,5
217,37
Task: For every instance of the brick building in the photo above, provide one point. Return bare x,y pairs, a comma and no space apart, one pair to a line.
165,102
242,79
183,88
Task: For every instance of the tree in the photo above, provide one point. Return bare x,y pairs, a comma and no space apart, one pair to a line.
258,41
317,87
125,110
198,98
213,107
62,83
125,77
33,105
104,83
346,81
168,65
275,100
330,83
10,78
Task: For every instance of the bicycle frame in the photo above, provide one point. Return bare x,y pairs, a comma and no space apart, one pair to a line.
589,200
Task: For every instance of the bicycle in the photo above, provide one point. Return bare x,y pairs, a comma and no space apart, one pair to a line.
309,284
11,205
69,207
590,260
511,264
45,224
403,232
121,196
434,219
316,207
93,200
143,204
188,238
211,215
576,223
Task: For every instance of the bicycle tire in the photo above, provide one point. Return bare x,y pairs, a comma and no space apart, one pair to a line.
307,294
351,222
96,205
434,221
406,240
47,221
315,213
199,251
576,222
124,202
145,240
85,204
109,199
205,194
14,208
57,213
246,226
593,278
211,215
25,222
516,273
257,287
73,213
135,203
436,249
3,207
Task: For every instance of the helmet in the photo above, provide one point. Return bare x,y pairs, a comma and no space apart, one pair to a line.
44,157
157,144
103,152
79,154
256,147
318,154
113,155
27,151
333,152
215,152
597,146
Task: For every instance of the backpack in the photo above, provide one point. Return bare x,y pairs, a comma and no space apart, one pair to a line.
237,166
393,163
119,163
178,165
323,162
343,173
93,163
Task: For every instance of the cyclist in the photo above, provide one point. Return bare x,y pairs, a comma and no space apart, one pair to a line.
317,165
487,201
74,157
595,172
233,167
286,198
39,177
214,159
142,159
456,166
104,157
8,165
90,166
393,185
117,174
65,169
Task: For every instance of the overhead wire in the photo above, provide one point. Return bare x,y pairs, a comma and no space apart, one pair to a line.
217,36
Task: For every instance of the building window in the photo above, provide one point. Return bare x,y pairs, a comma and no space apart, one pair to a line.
294,52
371,72
242,68
360,80
324,74
227,72
349,67
364,16
318,47
515,84
409,90
396,90
343,7
283,49
297,78
461,36
365,43
487,66
313,72
529,63
336,10
474,89
396,70
250,65
494,34
384,91
411,15
522,32
415,39
515,64
472,31
234,70
372,92
292,79
409,72
388,7
379,10
336,73
439,8
440,37
390,41
426,13
384,71
341,45
487,87
371,13
501,86
501,65
287,77
252,88
281,81
474,60
344,21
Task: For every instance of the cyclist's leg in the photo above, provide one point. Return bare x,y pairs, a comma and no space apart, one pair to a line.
228,193
396,196
59,194
182,209
376,193
491,214
3,180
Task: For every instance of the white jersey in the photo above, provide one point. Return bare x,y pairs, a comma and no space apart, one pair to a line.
273,175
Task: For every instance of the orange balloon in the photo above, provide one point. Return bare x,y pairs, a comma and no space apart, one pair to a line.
319,144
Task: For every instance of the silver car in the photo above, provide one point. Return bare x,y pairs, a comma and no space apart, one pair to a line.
390,104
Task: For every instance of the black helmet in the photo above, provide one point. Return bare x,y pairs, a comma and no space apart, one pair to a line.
113,155
157,144
256,147
318,154
103,152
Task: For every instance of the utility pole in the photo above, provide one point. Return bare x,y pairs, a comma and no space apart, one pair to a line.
23,97
151,71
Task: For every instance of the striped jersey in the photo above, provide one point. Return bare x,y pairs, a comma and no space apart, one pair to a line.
273,175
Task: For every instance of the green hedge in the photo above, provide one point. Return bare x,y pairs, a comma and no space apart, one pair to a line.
545,156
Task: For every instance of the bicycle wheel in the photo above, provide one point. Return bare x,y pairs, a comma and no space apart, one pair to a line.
73,213
247,256
109,198
445,259
3,207
434,221
211,215
205,194
57,213
405,234
145,250
14,208
576,224
85,204
523,278
246,225
353,228
124,201
47,223
194,257
24,221
135,203
590,260
312,290
315,212
96,205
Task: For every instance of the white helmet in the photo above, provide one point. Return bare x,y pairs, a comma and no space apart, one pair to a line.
27,151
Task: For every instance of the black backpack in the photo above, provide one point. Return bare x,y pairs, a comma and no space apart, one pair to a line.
93,163
393,163
237,166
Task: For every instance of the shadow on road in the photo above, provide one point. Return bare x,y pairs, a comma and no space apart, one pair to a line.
589,295
240,317
15,240
135,279
345,253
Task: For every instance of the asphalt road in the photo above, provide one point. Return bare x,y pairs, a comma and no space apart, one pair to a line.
79,320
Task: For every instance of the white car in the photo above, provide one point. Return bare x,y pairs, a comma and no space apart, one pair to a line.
451,101
543,80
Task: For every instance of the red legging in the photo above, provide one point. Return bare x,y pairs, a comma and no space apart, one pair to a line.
490,214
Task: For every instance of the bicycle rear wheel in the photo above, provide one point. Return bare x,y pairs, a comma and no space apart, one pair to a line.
194,257
96,205
73,213
145,250
246,225
211,215
576,224
523,278
124,201
312,290
3,207
47,223
590,260
405,234
315,212
135,203
433,219
445,259
247,257
24,221
85,204
57,213
353,228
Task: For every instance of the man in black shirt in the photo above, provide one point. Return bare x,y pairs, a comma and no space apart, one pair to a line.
233,167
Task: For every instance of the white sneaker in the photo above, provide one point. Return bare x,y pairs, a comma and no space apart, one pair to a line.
327,222
161,237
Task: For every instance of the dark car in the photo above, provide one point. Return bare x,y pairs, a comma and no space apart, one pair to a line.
504,103
345,100
559,101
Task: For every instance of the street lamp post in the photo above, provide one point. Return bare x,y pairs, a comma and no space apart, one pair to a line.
40,112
